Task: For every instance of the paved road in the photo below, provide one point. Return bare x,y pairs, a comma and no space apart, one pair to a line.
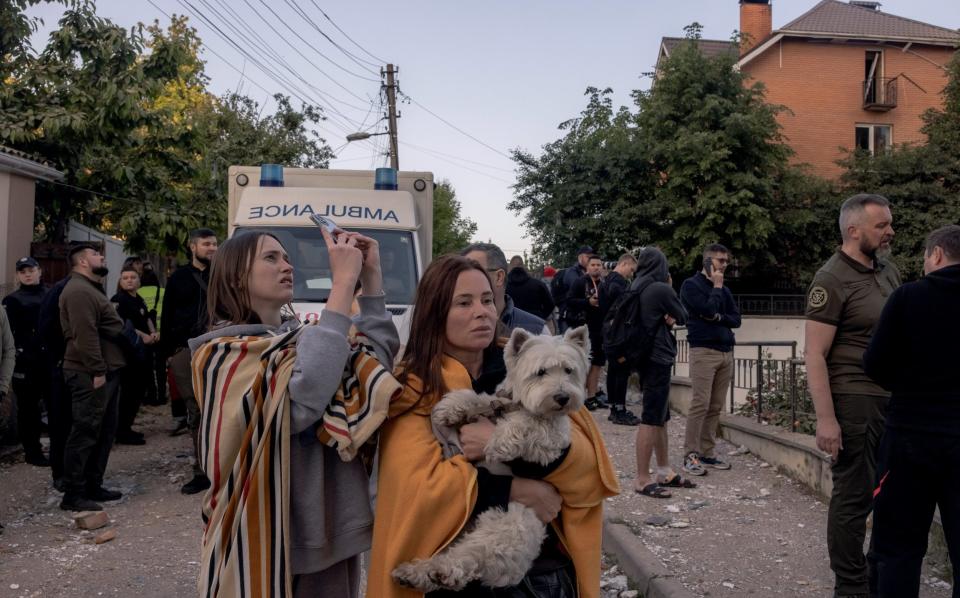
759,533
761,544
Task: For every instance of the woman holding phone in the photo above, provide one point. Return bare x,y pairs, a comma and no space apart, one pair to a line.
285,409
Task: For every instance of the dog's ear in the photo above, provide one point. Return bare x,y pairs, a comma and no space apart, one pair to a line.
578,336
517,339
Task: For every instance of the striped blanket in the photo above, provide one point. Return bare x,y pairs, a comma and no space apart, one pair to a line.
241,384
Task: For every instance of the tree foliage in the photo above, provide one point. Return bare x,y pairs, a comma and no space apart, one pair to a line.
589,187
699,159
451,231
127,115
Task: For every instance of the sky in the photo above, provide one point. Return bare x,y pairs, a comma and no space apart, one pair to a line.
505,72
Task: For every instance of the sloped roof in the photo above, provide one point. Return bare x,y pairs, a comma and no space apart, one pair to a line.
709,47
22,163
850,20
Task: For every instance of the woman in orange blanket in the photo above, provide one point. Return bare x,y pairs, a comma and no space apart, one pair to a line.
424,500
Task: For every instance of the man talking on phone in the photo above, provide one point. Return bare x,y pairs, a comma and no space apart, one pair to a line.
844,304
712,316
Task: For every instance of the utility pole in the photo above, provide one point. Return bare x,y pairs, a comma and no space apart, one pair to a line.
392,114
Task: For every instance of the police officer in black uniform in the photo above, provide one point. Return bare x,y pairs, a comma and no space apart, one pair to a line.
23,311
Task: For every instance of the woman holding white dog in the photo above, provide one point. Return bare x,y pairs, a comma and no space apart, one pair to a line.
424,501
285,409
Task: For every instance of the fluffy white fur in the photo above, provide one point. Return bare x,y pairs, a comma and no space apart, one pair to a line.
544,383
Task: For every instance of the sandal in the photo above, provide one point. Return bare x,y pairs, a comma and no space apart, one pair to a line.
678,481
654,490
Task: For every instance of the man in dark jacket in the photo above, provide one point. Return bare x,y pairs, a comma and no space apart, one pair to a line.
569,275
918,465
584,306
23,311
59,409
528,293
660,310
91,366
618,373
184,317
713,316
494,262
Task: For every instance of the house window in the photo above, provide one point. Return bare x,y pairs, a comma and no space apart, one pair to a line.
872,73
874,138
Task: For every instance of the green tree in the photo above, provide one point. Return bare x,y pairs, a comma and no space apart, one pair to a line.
451,231
921,181
127,114
718,147
589,187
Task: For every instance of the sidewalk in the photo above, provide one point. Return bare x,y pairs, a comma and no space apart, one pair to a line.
746,531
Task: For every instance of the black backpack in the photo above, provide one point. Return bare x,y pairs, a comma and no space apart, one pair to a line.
624,337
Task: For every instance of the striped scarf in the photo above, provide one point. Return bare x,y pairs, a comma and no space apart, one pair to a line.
241,384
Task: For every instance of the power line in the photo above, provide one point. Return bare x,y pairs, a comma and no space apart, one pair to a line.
454,127
433,151
344,33
362,63
480,172
276,77
274,54
309,45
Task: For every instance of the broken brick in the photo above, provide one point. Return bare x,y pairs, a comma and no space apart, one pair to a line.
91,519
105,537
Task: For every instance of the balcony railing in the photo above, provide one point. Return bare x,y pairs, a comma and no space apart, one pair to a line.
880,94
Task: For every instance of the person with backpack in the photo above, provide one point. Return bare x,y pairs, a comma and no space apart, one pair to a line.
615,286
654,309
563,281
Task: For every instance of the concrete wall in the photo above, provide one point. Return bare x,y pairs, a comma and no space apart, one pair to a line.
16,224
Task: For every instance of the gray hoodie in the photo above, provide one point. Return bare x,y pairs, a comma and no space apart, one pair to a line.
330,513
657,300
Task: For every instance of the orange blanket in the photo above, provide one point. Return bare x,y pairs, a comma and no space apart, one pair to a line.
423,500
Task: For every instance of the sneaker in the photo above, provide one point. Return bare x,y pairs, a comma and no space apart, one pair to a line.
199,483
181,428
102,494
691,465
623,417
714,462
74,502
592,404
601,398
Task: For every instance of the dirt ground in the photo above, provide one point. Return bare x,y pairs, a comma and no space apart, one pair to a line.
746,531
758,534
158,529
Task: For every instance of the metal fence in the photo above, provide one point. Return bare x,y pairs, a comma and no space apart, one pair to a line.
771,305
776,387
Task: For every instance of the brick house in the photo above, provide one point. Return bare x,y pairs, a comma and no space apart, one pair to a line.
850,75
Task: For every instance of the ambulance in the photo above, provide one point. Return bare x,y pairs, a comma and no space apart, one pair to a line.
395,208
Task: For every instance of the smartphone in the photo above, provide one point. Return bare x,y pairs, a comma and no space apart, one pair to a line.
707,264
324,222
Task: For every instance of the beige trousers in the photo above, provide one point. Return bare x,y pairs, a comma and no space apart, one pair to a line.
710,373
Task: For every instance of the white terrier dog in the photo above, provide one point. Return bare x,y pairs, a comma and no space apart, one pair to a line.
544,383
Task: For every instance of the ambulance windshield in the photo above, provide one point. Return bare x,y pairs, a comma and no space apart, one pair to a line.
311,265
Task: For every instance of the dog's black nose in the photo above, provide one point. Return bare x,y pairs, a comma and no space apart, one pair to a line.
561,399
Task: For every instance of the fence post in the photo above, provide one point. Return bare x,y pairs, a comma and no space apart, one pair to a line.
733,378
793,387
759,384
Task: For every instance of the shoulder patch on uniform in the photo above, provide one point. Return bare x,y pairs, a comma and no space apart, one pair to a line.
818,296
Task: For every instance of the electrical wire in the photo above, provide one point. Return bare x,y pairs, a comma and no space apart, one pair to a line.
480,172
357,60
309,45
344,33
274,54
439,153
453,126
276,77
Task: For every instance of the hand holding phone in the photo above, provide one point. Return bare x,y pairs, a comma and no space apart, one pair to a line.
707,265
324,222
